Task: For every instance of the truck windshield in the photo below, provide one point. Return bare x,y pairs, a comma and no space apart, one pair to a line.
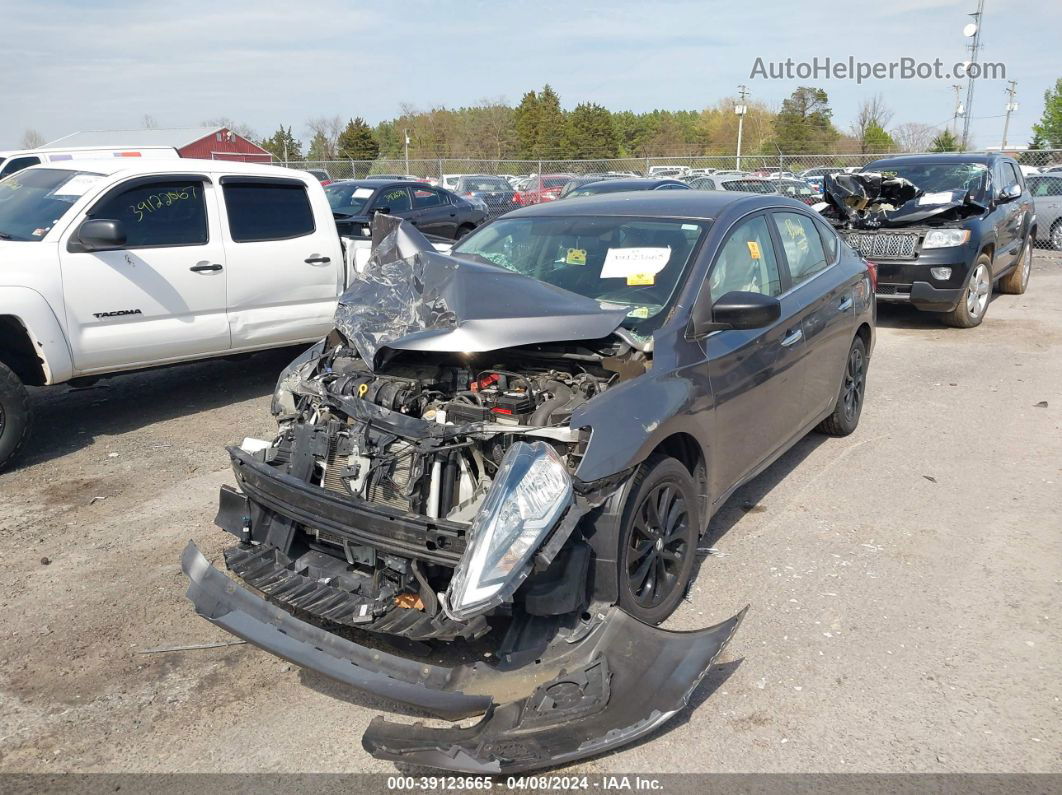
33,201
633,261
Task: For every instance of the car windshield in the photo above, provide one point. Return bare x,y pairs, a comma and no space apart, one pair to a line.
33,201
348,198
637,262
483,185
749,185
940,177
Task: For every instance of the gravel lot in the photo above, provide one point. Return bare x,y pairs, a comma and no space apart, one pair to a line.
904,582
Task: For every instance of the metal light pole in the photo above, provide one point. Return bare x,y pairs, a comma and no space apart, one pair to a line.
974,47
957,112
405,134
740,110
1011,107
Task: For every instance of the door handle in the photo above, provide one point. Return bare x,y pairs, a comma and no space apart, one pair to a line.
315,260
205,268
845,305
792,337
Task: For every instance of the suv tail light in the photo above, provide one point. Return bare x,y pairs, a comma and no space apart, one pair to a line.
872,268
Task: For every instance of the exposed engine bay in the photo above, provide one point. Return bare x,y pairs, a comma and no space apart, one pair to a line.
427,435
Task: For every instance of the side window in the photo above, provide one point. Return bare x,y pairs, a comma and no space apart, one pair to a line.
17,164
396,199
746,262
162,213
1013,175
260,211
426,197
829,240
802,245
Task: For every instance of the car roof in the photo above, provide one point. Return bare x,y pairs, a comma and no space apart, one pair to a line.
133,165
634,184
704,205
941,158
379,183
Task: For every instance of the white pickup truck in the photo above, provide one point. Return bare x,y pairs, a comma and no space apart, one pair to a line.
107,266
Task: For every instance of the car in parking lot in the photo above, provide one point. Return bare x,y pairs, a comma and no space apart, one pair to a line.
1046,190
542,188
522,444
322,175
432,210
495,192
942,228
734,183
797,189
618,185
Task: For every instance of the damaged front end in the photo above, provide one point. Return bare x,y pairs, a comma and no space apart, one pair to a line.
423,486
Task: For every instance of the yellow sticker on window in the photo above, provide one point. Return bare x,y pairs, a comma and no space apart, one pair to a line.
754,249
640,279
576,256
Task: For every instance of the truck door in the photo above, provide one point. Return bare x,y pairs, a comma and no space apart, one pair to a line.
161,296
284,268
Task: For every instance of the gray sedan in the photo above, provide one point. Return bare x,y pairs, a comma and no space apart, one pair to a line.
1046,190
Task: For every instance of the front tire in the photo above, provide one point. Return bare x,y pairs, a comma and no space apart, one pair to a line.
658,539
1056,236
849,405
973,303
1015,282
16,415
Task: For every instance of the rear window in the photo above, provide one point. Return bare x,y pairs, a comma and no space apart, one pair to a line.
555,182
481,185
260,211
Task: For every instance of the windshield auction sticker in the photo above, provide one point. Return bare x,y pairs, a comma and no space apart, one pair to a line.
622,263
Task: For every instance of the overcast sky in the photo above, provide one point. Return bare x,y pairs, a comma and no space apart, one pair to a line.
70,65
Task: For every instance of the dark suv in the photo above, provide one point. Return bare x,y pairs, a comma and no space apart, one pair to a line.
942,228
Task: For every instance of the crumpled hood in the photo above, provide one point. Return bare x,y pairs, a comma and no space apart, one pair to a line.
870,200
412,298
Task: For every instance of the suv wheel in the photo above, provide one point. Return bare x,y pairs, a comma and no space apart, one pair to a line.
1056,236
849,406
973,303
1015,282
658,539
15,414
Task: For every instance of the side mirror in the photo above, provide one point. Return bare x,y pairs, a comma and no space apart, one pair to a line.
1011,193
735,310
101,234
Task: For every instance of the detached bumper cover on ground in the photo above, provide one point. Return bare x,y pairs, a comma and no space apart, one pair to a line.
585,694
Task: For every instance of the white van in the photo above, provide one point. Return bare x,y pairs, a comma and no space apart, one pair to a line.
10,162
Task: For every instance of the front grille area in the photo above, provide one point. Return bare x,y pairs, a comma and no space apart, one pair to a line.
883,245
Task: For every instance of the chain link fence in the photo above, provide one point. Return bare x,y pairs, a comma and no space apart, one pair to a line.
445,170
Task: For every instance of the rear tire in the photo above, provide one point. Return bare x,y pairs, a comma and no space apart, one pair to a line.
1055,236
976,295
849,405
658,539
1015,282
16,415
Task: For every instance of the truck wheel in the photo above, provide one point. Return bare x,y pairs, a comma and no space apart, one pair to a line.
1015,282
849,406
973,303
15,415
658,539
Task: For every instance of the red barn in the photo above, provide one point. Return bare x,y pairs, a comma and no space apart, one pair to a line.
207,143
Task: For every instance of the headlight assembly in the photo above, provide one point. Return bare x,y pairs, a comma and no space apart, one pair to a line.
945,238
530,494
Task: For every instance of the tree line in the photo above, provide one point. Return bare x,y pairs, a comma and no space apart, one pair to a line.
538,127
